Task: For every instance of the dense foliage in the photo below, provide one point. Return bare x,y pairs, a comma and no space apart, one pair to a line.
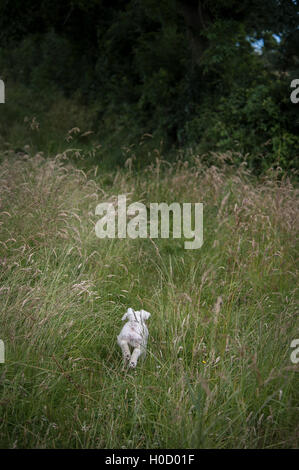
214,76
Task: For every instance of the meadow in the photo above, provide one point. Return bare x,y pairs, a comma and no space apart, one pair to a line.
218,372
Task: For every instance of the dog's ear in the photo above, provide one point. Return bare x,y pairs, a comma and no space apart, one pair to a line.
129,313
145,315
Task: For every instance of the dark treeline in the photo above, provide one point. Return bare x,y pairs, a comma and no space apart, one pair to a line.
201,74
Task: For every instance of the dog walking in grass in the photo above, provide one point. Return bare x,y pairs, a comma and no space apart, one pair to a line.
134,334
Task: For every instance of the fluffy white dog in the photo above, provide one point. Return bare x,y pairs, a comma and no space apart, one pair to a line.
134,334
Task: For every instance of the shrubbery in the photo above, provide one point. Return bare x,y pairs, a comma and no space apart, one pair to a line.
136,68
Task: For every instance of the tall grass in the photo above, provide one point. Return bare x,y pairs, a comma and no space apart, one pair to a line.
218,372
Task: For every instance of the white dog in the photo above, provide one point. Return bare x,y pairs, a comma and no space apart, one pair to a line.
135,334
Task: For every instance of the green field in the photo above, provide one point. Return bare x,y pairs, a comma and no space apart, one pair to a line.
215,376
